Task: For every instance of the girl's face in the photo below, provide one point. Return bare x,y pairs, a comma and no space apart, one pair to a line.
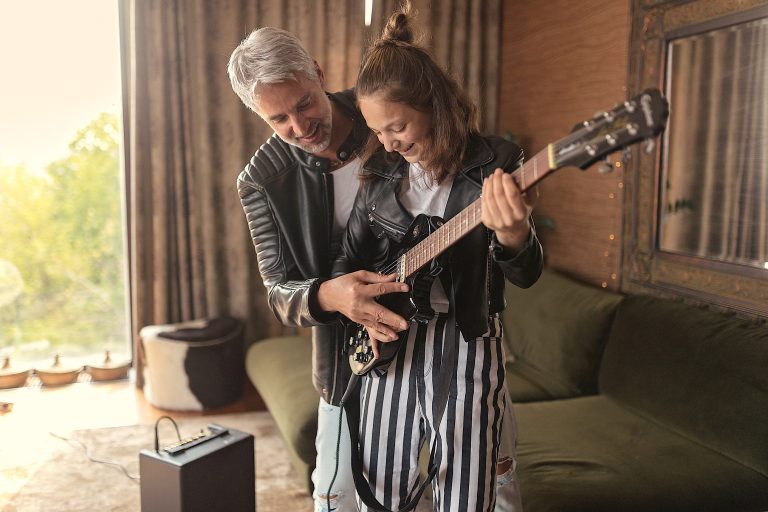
399,127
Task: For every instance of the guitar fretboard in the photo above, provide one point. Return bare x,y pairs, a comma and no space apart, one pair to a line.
527,175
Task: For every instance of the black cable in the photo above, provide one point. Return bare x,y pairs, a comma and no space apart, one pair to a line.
117,464
135,478
336,468
157,439
350,385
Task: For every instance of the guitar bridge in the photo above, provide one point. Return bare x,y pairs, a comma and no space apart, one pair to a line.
363,354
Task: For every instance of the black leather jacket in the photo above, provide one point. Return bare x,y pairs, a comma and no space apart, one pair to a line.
378,223
287,195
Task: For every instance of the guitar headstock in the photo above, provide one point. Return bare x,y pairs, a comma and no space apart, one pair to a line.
642,117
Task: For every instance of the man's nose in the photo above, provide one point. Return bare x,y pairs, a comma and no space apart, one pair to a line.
300,125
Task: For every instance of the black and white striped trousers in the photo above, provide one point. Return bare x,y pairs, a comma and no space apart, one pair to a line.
397,417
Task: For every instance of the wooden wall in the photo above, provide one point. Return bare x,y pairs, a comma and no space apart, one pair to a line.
563,61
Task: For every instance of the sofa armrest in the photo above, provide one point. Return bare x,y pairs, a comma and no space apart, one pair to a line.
556,330
281,371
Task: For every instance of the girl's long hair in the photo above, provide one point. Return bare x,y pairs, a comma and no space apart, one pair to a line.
398,69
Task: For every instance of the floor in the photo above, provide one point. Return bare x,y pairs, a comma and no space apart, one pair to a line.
38,414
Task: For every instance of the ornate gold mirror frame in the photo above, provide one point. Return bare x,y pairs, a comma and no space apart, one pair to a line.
701,277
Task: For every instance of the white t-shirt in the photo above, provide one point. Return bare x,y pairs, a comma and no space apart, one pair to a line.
345,184
420,196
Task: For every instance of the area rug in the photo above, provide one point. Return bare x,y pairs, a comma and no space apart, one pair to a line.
69,481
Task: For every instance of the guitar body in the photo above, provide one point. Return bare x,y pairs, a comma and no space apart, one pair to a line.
413,305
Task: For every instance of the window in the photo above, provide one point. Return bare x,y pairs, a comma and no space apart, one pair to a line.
62,255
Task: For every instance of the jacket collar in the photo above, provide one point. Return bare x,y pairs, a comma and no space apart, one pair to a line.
391,165
349,148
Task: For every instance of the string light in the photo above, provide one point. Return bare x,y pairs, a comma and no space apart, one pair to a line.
368,12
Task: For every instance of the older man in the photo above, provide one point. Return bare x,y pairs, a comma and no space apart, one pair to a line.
297,192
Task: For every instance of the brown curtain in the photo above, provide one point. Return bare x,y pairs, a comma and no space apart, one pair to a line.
188,136
465,37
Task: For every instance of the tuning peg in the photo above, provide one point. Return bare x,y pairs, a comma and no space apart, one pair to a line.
605,167
649,145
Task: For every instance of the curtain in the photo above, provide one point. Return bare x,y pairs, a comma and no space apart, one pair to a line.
465,38
187,136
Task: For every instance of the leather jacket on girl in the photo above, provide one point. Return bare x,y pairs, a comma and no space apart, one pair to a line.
476,264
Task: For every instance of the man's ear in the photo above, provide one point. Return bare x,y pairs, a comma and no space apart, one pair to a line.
320,74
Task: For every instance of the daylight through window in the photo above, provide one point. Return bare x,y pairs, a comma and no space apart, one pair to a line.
62,256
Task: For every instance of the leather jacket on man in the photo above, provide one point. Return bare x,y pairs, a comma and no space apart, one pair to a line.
287,196
379,222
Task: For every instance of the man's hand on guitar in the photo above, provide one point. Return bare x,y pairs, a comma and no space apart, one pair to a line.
354,296
505,210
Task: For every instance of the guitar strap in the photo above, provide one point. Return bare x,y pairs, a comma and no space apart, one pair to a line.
351,404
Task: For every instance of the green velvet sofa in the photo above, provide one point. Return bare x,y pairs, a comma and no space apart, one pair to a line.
622,403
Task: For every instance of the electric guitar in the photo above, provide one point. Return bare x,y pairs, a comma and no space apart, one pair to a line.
641,118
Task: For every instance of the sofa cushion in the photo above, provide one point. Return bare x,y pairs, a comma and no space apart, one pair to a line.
557,329
592,454
521,388
281,371
700,373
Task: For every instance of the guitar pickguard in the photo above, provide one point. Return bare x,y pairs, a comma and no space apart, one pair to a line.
413,305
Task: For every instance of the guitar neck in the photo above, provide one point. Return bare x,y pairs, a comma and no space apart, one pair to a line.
525,176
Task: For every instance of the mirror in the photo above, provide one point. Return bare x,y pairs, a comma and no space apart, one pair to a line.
715,166
696,221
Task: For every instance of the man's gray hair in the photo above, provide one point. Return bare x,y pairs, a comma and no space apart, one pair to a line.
267,56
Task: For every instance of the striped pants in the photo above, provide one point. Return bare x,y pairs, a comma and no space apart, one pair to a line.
397,417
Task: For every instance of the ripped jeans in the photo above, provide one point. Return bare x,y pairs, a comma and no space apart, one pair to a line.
507,491
342,493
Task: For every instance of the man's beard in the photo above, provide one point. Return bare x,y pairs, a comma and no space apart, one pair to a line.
325,126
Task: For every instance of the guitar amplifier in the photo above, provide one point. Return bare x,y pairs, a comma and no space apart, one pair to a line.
207,472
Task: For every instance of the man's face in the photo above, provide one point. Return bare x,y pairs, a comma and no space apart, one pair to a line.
298,111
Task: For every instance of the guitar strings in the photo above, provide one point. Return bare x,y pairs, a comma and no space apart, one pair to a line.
389,268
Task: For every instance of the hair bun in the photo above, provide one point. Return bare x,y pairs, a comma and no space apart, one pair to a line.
399,26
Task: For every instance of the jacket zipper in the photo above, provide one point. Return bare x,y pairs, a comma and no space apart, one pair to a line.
329,223
389,226
489,263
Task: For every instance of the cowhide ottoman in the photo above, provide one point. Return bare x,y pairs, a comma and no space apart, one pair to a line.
193,365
